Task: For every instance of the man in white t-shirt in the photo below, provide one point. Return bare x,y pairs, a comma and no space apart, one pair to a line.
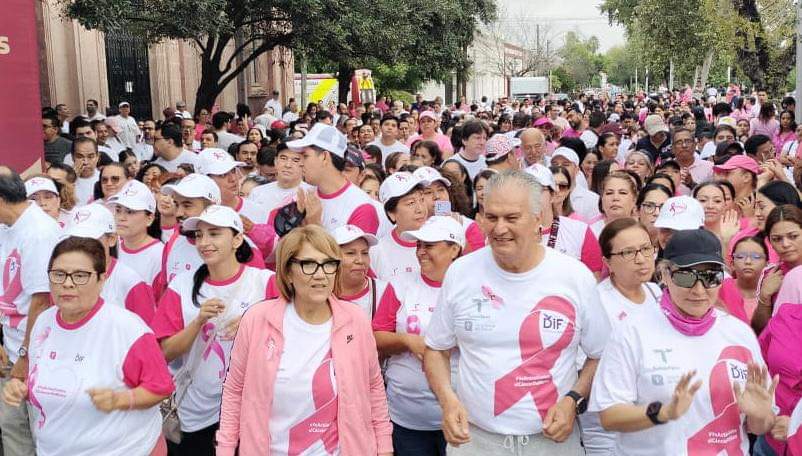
25,248
388,141
519,314
144,148
274,104
168,145
85,156
584,201
129,129
225,172
323,160
221,121
289,175
91,111
474,139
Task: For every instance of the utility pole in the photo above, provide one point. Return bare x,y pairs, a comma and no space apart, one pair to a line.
671,74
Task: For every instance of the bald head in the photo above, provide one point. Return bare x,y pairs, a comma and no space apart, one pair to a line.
533,144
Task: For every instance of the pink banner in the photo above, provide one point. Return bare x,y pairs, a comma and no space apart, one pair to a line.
21,140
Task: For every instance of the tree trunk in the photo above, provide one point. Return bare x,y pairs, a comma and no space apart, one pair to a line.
344,75
706,68
208,89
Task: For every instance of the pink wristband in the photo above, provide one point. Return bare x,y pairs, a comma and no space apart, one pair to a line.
130,399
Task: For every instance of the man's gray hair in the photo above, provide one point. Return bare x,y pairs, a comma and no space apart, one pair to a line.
521,179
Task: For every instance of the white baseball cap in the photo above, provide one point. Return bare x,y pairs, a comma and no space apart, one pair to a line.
398,184
222,216
350,233
428,175
135,196
681,213
39,183
566,152
216,161
499,145
324,136
437,228
542,175
91,221
194,186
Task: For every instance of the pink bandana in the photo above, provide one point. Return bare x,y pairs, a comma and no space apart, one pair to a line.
686,325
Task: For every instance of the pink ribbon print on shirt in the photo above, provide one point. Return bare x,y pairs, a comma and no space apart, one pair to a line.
533,376
322,423
724,432
12,288
495,300
32,379
208,332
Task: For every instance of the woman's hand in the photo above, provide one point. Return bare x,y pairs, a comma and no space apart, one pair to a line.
771,285
746,205
15,392
755,400
309,204
415,345
730,224
780,429
210,309
682,398
230,329
247,224
102,399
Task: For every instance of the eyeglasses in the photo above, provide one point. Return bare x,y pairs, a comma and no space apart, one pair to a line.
753,256
310,267
563,186
687,278
650,208
629,253
111,179
78,277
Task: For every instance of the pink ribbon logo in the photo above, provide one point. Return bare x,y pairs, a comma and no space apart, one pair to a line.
12,288
207,332
34,401
322,424
533,375
496,300
724,432
413,325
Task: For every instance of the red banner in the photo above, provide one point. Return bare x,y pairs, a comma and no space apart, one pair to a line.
21,140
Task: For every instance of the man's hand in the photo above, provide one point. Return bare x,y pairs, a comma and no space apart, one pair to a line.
310,205
455,424
3,359
15,392
20,368
559,421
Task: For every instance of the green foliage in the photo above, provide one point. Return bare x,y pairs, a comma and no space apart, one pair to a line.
619,64
580,61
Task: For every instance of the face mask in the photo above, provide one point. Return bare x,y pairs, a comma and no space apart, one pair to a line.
689,326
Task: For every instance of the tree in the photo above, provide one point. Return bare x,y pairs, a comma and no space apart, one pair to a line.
619,64
580,60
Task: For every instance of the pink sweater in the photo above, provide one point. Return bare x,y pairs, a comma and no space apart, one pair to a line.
363,422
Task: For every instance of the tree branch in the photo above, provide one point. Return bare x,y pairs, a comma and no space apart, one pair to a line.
264,47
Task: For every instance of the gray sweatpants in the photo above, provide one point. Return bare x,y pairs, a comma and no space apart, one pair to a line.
485,443
16,427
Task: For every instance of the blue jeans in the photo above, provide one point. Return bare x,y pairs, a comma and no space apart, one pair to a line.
762,447
409,442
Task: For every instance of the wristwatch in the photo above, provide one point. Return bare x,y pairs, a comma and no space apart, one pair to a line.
653,410
581,402
23,351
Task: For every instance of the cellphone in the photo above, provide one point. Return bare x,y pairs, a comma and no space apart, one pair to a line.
442,208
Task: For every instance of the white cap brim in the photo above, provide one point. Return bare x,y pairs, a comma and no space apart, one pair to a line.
351,237
191,224
432,234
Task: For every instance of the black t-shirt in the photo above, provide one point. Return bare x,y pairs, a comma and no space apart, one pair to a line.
663,151
56,151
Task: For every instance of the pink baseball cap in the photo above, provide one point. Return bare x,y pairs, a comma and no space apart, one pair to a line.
739,161
426,114
543,122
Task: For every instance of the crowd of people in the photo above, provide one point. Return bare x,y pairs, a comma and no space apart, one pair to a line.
598,275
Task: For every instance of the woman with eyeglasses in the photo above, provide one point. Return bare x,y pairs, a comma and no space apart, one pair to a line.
403,315
139,229
649,384
747,258
96,374
781,284
649,202
198,317
112,179
626,293
304,376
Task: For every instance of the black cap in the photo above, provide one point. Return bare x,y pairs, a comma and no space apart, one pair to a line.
692,247
354,156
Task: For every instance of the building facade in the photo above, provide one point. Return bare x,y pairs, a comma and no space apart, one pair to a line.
77,64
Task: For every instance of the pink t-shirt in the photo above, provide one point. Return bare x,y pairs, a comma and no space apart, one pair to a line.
443,141
790,290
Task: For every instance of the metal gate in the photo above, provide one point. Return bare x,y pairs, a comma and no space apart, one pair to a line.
128,73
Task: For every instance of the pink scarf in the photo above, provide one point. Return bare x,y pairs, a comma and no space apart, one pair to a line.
686,325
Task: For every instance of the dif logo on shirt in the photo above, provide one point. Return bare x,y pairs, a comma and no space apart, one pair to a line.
552,325
736,370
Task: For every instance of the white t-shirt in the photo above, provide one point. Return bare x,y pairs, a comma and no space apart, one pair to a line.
143,151
129,130
349,206
124,287
85,189
393,257
474,167
397,146
575,239
226,139
406,308
366,299
303,416
110,348
518,335
254,211
644,360
585,203
271,196
211,350
184,157
590,138
25,249
146,260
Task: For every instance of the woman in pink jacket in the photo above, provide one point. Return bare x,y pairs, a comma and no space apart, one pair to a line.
304,375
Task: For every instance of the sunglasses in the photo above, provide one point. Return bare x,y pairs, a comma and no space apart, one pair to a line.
687,278
112,179
287,218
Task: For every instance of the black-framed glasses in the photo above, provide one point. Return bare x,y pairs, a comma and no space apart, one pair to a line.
310,267
78,277
630,253
650,208
687,278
